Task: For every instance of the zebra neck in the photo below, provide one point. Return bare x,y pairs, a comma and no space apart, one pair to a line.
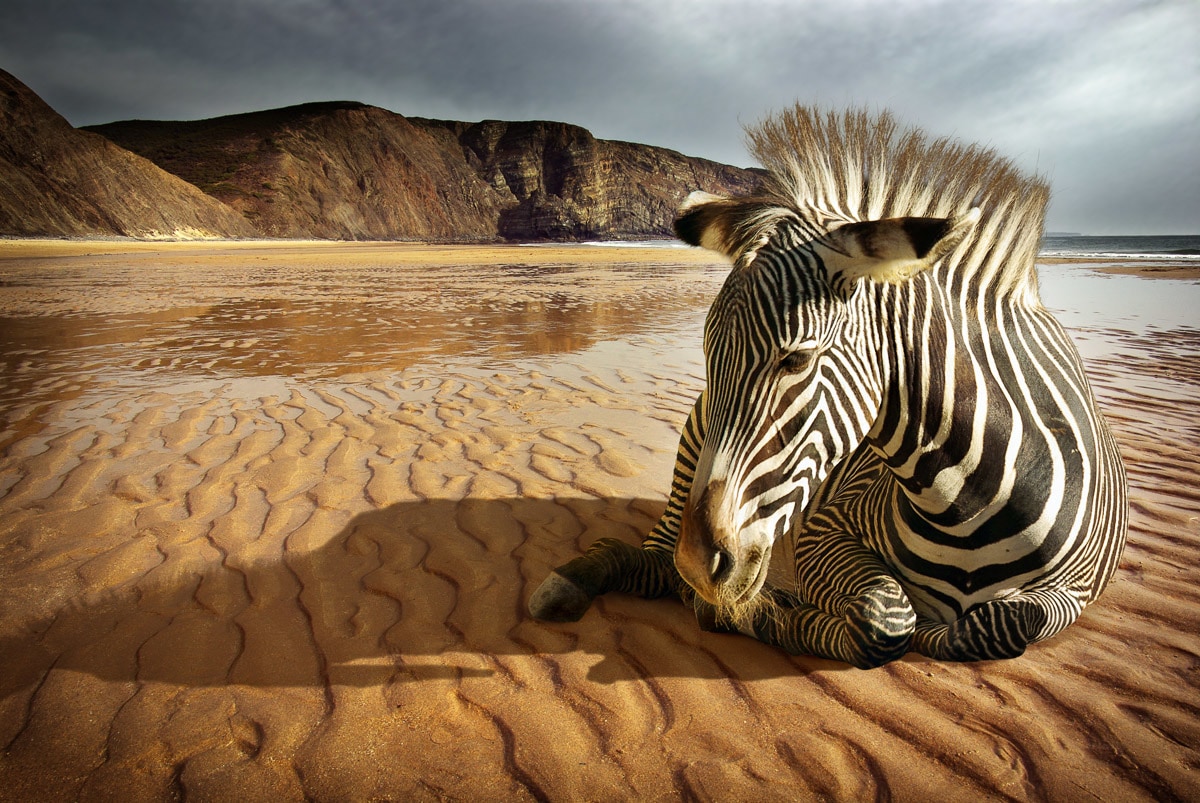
946,422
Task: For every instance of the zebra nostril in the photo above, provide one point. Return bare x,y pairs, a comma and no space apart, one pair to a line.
720,565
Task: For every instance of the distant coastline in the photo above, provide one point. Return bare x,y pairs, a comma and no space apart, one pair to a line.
1170,247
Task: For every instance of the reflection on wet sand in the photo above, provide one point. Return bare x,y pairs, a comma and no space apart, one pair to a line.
269,518
280,337
59,335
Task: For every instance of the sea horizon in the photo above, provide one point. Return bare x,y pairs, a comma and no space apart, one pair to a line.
1125,246
1182,247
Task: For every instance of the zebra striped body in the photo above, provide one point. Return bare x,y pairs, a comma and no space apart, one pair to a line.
885,386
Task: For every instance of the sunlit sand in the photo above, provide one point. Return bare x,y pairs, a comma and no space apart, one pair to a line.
270,513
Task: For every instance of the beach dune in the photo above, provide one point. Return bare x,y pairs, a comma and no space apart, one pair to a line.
270,515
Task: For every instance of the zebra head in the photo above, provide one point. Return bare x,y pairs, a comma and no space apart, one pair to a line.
793,369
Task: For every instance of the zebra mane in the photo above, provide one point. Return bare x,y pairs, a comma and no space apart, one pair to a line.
863,166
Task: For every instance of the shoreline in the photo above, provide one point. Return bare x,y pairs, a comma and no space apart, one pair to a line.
406,252
403,252
270,516
1150,268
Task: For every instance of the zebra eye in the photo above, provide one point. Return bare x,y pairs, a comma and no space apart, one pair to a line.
797,362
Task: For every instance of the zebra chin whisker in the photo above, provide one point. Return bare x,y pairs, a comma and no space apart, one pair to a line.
745,614
734,602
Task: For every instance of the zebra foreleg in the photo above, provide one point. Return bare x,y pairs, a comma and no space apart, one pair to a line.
609,565
850,608
869,630
1001,628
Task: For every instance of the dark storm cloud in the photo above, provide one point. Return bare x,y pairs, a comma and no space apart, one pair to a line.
1103,97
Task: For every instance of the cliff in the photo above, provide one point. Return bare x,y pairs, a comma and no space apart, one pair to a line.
556,181
324,171
56,180
339,170
349,171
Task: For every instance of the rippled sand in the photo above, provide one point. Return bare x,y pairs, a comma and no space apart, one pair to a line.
269,515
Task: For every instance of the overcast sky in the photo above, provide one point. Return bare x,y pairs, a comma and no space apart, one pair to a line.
1102,97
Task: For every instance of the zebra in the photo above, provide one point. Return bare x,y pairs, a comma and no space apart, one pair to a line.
884,387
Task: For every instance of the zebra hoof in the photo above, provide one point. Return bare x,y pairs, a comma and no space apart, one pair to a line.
558,599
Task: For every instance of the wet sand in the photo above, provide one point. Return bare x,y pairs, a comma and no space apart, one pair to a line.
269,515
1166,268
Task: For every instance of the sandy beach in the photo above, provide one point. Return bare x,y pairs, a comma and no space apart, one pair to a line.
1188,270
270,514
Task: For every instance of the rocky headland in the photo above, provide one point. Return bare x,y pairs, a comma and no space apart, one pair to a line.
337,170
59,181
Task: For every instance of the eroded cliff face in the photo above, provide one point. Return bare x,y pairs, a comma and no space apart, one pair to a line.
349,171
56,180
559,182
325,171
337,170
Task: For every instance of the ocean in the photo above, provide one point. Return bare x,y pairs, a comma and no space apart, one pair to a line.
1086,300
1183,247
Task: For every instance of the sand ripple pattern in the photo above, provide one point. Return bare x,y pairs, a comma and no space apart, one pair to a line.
277,587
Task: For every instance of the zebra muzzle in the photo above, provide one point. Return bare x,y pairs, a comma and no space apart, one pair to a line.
714,559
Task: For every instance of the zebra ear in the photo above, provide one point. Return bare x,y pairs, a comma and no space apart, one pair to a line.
728,226
706,221
891,250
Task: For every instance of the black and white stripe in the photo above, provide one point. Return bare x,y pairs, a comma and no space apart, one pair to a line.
883,383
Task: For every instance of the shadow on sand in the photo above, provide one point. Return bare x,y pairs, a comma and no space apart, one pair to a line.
415,591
